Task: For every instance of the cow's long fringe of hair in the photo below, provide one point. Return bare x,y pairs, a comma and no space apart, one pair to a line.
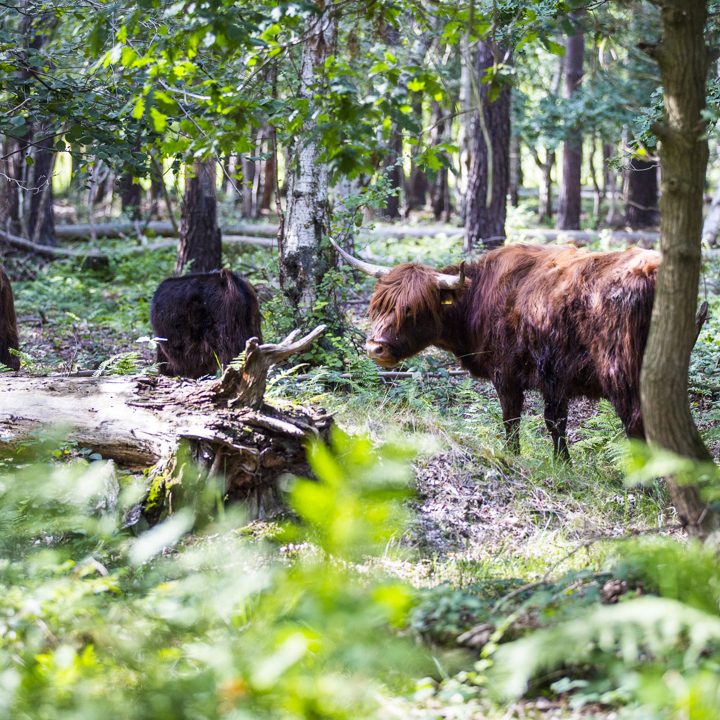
409,290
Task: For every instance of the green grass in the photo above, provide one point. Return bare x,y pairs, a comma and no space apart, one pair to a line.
484,522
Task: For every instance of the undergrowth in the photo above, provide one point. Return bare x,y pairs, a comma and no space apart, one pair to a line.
510,549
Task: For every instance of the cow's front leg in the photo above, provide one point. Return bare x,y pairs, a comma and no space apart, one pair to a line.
556,423
511,402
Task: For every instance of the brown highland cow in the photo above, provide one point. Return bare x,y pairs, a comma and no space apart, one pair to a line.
559,320
8,324
204,319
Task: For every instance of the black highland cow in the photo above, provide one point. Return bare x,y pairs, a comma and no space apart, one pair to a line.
8,324
205,319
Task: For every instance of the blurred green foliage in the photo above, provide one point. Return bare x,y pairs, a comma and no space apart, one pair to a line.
97,623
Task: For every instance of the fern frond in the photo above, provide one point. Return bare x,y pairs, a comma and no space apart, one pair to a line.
651,623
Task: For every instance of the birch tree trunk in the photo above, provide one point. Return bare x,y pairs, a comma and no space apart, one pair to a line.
466,133
200,237
569,202
303,263
684,61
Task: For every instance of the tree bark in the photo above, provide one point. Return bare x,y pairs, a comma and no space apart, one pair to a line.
303,261
569,202
711,226
130,196
641,209
516,176
486,205
394,171
439,188
684,61
417,186
9,191
200,237
466,133
41,220
248,181
140,421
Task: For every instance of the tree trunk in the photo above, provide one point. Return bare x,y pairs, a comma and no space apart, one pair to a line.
516,178
439,190
200,237
26,192
248,180
394,171
466,133
486,205
140,421
569,202
417,186
268,183
303,261
641,209
711,226
9,194
130,196
41,219
684,61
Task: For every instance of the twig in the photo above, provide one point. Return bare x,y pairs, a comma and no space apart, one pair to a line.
165,192
586,543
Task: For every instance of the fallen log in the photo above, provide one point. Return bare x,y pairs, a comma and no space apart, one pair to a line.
160,227
140,422
583,237
99,254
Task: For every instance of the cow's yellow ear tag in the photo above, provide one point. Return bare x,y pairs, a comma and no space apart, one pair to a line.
447,302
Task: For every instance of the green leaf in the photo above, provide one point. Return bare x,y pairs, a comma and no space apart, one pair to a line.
139,108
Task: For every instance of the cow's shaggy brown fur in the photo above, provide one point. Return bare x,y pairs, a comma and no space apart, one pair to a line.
8,324
560,320
206,319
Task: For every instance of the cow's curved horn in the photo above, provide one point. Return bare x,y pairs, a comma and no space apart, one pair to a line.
377,271
452,282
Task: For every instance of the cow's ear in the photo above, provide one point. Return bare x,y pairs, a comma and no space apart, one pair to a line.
447,297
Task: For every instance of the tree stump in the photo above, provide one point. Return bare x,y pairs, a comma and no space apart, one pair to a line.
139,422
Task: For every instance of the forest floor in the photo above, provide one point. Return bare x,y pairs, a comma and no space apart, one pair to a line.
480,515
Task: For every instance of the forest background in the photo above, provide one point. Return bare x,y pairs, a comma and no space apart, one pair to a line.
247,134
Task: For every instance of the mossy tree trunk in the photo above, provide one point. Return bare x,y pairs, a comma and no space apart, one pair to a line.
684,61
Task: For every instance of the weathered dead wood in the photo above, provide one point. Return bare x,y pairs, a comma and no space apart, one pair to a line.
59,252
141,421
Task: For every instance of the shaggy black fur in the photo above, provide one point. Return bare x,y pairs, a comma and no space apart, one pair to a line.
206,319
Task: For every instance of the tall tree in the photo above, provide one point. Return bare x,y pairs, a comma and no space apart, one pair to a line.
641,207
486,205
516,173
200,238
570,190
684,60
303,262
417,185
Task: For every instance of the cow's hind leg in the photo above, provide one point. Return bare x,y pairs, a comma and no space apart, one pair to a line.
627,406
556,423
511,401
